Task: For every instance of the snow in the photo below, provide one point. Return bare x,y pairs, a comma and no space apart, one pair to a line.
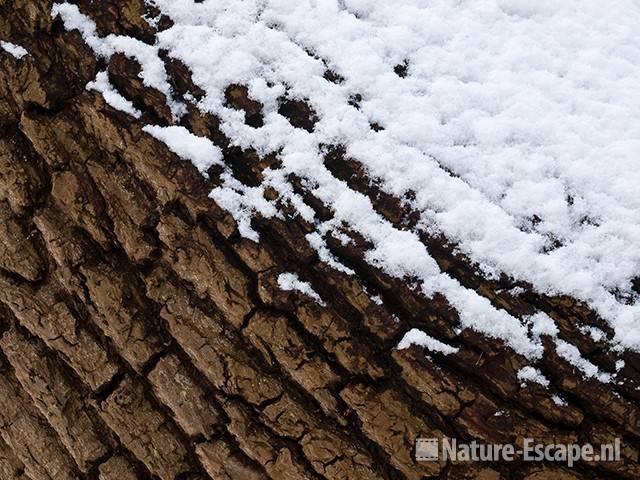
153,73
16,50
572,355
516,126
376,299
319,245
201,151
111,95
418,337
558,401
541,324
595,333
291,282
531,374
242,201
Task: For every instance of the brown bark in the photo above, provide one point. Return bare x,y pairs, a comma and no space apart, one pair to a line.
143,337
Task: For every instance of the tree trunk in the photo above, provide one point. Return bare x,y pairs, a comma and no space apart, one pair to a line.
143,337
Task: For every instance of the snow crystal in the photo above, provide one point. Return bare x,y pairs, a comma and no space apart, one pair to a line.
558,401
16,50
111,96
291,282
418,337
532,374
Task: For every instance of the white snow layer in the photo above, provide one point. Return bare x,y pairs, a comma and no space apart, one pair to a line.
16,50
516,126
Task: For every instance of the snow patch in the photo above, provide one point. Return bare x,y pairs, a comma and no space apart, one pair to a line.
541,324
291,282
111,95
16,50
242,201
201,151
572,355
152,72
319,245
595,333
418,337
531,374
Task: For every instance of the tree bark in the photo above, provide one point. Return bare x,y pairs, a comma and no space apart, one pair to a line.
143,337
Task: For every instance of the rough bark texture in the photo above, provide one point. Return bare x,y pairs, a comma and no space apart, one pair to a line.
143,337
